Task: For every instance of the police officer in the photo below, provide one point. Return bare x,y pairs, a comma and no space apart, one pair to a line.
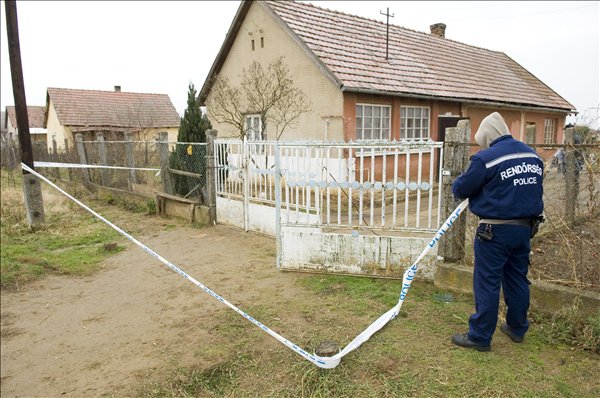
504,186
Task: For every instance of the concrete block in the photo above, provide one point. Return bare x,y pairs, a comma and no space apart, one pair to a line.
545,296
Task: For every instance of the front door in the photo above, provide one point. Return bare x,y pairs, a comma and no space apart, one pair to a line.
445,122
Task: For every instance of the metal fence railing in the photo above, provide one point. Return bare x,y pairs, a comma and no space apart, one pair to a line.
386,186
337,185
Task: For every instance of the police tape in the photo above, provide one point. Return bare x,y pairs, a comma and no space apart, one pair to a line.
88,166
322,362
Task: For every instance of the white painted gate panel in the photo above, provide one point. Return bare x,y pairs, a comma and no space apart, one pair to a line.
374,205
358,208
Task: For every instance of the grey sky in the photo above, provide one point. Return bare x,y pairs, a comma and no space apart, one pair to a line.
159,46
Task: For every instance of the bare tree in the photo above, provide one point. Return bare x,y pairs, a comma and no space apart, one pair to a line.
139,120
227,105
266,91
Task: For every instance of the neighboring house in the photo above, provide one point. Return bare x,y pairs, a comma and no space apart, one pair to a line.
426,84
35,114
112,113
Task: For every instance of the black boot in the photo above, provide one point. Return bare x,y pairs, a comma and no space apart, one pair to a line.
462,340
504,328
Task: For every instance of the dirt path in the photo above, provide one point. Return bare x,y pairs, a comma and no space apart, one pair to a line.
92,335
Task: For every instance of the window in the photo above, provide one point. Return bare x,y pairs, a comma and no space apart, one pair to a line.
373,122
253,128
252,44
414,123
262,42
549,131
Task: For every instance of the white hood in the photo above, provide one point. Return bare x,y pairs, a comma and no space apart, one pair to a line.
492,127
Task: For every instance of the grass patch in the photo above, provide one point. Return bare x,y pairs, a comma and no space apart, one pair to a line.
411,356
570,326
77,250
216,380
70,241
147,206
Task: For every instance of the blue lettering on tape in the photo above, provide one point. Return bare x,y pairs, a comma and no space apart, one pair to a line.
404,290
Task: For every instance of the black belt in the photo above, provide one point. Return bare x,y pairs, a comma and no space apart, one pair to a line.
517,221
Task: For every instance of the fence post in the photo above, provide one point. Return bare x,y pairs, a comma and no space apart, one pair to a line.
102,156
12,155
55,157
82,159
246,157
210,172
130,158
278,236
68,158
571,177
163,150
456,158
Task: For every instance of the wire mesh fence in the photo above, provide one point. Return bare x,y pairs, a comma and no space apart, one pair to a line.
131,166
187,165
584,198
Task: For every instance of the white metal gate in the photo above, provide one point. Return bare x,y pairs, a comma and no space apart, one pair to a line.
364,208
343,207
245,183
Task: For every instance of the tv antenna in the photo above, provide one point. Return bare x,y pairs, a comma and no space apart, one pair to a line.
387,30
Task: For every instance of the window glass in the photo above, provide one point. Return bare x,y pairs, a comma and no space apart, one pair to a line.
414,123
550,131
373,122
359,110
253,128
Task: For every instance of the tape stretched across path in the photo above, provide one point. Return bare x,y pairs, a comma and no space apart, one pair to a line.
88,166
322,362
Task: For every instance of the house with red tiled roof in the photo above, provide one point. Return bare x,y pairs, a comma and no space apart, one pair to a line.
35,114
112,113
426,83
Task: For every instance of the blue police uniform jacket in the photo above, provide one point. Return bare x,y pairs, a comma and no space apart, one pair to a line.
503,181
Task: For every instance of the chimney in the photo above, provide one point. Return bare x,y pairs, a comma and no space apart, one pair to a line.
117,89
438,29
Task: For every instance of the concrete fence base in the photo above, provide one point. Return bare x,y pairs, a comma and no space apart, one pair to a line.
545,296
183,208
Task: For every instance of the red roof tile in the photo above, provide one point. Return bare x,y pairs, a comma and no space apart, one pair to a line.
35,114
352,48
93,108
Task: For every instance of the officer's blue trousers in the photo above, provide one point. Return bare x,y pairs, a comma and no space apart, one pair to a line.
503,261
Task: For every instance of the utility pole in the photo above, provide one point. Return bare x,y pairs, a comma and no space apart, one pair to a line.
387,30
32,191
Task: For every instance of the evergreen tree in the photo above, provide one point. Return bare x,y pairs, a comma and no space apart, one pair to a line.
191,158
194,122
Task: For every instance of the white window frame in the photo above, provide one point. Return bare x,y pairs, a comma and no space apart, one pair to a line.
372,118
550,131
419,119
253,128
